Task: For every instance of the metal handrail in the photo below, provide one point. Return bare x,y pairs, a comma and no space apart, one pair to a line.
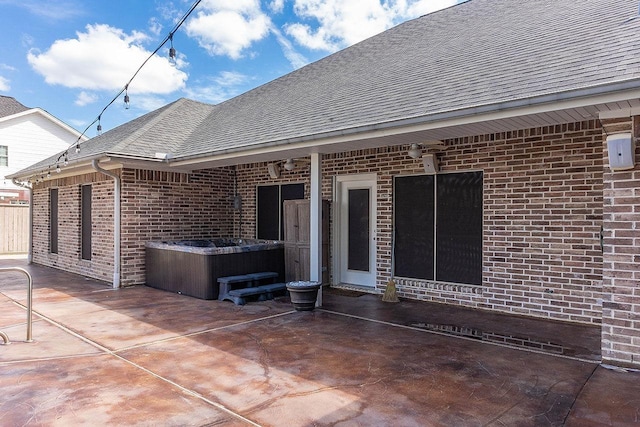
29,304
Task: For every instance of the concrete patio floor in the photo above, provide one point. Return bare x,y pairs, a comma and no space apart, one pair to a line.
140,356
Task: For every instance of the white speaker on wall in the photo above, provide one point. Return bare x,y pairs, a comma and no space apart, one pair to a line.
430,162
622,151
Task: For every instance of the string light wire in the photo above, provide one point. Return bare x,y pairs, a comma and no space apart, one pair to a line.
172,57
126,86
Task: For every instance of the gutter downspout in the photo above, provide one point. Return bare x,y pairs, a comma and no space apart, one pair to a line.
30,250
117,183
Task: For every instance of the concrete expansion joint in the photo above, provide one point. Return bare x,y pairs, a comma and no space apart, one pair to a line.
206,331
113,353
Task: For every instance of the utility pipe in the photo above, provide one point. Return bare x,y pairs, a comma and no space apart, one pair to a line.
117,183
30,250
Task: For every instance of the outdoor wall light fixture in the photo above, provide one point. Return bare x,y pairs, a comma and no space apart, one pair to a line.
415,151
289,164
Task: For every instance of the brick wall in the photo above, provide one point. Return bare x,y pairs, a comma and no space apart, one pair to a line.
542,217
621,266
171,206
69,198
155,206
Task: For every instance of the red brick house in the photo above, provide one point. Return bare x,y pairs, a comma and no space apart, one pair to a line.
516,105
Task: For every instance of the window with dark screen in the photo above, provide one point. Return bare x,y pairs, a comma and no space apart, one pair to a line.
270,199
85,222
53,220
438,227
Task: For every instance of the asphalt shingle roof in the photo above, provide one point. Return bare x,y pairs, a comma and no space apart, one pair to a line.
476,54
9,106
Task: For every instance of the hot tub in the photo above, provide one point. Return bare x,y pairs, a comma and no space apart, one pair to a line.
192,267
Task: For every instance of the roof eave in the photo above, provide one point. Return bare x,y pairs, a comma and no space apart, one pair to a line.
595,95
107,161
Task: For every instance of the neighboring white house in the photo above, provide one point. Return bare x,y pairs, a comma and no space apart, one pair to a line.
27,135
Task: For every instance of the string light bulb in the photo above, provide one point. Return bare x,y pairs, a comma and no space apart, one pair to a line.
77,148
98,128
58,170
172,51
66,159
126,97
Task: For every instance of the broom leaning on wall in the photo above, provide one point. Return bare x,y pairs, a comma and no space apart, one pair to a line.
390,294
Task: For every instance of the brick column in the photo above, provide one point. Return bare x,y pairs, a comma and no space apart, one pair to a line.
621,258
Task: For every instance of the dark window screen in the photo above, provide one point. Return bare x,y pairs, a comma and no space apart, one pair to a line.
85,222
359,202
414,223
459,228
268,212
270,199
53,220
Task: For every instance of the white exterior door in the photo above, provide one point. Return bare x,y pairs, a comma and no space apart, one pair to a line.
356,242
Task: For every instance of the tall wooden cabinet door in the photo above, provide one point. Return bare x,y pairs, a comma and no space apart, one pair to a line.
297,236
290,221
291,263
304,221
304,266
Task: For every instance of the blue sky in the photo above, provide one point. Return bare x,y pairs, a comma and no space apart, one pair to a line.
71,57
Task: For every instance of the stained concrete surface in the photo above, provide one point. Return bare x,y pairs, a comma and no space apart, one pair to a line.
140,356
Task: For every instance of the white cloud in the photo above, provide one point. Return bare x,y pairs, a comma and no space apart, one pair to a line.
295,58
340,23
422,7
5,85
228,27
55,10
147,103
276,6
230,78
86,98
343,23
216,89
169,12
77,123
105,58
7,67
155,27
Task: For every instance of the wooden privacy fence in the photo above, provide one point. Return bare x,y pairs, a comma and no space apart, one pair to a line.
14,229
